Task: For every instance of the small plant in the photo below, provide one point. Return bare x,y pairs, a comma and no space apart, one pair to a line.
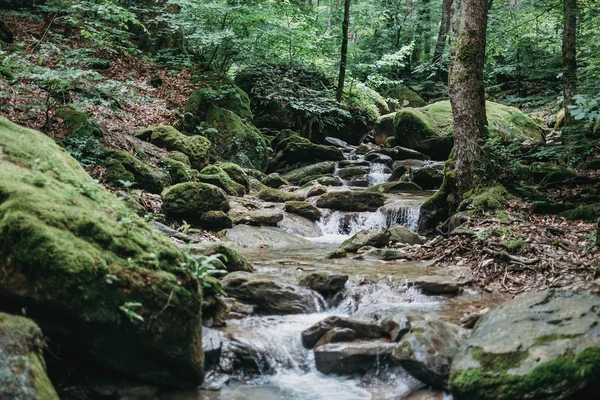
128,307
204,267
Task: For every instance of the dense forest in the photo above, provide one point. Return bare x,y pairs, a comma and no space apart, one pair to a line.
299,199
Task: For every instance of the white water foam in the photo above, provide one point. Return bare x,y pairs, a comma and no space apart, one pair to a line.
377,174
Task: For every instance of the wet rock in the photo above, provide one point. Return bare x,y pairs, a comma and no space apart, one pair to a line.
300,226
363,329
264,237
304,209
337,253
22,364
349,172
427,350
397,325
426,395
436,284
215,221
394,187
543,345
275,181
189,201
278,196
379,158
337,335
329,181
399,153
257,218
353,163
326,283
347,200
366,147
268,296
385,254
234,261
238,306
239,355
301,176
215,381
397,173
215,311
401,234
306,152
428,177
359,181
316,190
375,237
352,357
331,141
211,344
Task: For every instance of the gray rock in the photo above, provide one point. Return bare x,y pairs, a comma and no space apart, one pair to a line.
275,181
352,357
268,296
363,329
211,345
349,172
346,200
543,345
364,148
337,253
428,177
398,173
250,237
238,307
399,324
353,163
303,175
427,350
379,158
437,284
376,237
215,221
403,153
257,218
331,141
385,254
215,381
304,209
401,234
329,181
337,335
316,190
326,283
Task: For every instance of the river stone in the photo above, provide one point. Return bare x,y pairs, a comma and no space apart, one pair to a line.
211,344
353,163
395,187
329,181
278,196
337,335
257,218
426,395
337,253
234,261
349,172
215,381
326,283
304,209
347,200
427,350
215,221
397,325
264,237
375,237
436,284
364,148
378,158
331,141
237,355
352,357
300,226
189,201
363,329
401,234
22,364
403,153
275,181
543,345
303,175
269,297
316,190
397,173
359,181
428,177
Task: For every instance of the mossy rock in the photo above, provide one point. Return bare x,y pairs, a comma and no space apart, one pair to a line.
348,200
179,156
549,207
275,181
588,212
178,171
554,173
236,173
394,187
79,123
196,148
222,93
72,254
303,153
543,345
405,96
189,201
303,209
486,199
414,129
286,136
23,368
215,221
278,196
216,176
122,166
233,260
303,175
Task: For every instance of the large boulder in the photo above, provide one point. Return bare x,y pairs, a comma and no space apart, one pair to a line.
264,237
428,177
236,173
222,114
218,177
427,350
257,218
189,201
429,129
352,357
362,329
122,167
543,345
298,150
279,196
269,296
301,176
80,261
347,200
22,364
405,96
401,234
196,148
373,237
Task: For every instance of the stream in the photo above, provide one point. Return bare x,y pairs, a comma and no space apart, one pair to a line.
286,369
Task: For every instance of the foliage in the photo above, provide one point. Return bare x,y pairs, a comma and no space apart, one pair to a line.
204,267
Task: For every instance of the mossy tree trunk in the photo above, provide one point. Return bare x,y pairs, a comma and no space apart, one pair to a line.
466,92
569,55
344,60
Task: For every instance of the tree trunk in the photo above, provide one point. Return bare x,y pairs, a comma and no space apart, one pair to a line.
466,92
569,56
426,30
443,33
344,60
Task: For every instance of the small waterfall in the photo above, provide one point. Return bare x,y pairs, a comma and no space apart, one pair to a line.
377,174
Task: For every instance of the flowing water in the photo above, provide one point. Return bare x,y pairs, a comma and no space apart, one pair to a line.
286,369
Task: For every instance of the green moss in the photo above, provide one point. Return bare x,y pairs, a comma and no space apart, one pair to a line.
487,199
224,94
178,171
196,148
216,176
588,212
79,123
179,156
151,179
502,361
279,196
392,187
189,201
275,181
233,260
551,338
59,242
514,246
405,96
236,173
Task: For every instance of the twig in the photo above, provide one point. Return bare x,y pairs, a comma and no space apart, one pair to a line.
39,42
